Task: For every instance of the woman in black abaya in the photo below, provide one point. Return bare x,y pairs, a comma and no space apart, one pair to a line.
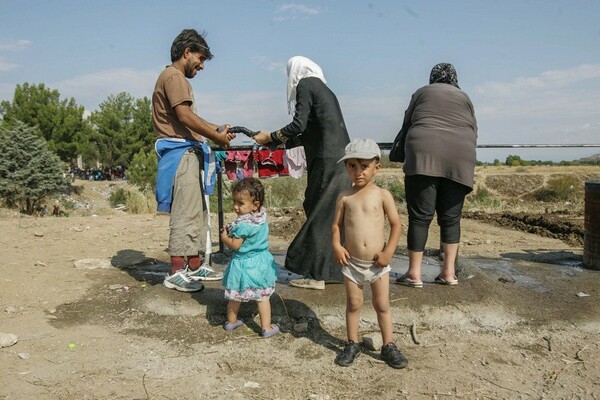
319,126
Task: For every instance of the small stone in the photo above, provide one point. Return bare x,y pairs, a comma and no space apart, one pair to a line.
253,385
10,310
40,264
301,327
7,339
582,294
92,263
38,234
372,341
115,287
24,356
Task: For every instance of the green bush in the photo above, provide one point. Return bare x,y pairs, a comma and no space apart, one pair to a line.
142,170
561,189
227,201
398,192
395,187
482,197
118,197
284,191
140,202
137,202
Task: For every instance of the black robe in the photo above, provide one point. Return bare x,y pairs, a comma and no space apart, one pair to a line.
319,124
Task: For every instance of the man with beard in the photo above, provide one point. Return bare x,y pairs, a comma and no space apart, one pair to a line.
183,153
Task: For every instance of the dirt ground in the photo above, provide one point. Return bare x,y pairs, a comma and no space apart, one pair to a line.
82,295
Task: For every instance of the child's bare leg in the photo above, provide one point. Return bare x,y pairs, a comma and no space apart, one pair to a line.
233,307
264,311
354,302
380,293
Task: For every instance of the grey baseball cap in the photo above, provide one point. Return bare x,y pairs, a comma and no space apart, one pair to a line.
365,149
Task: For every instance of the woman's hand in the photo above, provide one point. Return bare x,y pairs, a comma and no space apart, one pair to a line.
262,138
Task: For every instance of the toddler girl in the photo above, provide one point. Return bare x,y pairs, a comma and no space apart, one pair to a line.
252,272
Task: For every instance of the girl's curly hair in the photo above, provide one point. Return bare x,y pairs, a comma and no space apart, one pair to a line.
254,188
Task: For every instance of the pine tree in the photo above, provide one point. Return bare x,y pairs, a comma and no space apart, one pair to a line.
142,170
59,121
29,172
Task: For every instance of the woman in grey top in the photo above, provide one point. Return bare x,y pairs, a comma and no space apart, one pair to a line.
441,135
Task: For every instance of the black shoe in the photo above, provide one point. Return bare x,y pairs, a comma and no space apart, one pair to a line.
392,356
347,356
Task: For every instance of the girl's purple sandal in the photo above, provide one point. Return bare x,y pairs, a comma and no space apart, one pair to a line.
270,332
229,327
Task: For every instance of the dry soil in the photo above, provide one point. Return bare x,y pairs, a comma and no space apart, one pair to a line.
82,294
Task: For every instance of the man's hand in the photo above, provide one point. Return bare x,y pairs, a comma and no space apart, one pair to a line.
223,137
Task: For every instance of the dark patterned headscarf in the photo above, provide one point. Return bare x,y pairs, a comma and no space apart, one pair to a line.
444,73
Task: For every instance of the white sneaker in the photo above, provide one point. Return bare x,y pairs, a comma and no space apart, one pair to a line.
182,282
308,284
204,273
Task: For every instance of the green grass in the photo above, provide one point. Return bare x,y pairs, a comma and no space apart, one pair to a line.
482,197
561,189
283,191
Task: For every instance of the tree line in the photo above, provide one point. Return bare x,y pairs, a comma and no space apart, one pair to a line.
42,134
111,135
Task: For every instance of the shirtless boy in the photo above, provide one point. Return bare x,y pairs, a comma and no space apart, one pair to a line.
365,256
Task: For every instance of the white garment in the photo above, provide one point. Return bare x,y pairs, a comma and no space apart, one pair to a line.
294,160
299,67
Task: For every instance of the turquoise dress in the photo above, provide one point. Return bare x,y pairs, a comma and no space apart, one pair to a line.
252,272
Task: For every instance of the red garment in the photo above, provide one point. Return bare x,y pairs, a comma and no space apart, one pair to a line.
239,164
270,162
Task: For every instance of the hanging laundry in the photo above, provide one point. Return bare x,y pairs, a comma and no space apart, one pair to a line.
270,162
239,164
294,160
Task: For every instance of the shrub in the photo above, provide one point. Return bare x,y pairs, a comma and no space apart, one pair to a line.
140,202
398,192
561,189
227,200
142,170
137,202
483,197
395,187
284,191
118,197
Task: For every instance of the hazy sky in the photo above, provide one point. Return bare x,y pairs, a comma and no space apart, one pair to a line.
531,68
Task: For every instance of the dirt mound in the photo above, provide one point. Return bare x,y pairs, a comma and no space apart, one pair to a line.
566,227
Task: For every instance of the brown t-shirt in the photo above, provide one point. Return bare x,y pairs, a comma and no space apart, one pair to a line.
171,89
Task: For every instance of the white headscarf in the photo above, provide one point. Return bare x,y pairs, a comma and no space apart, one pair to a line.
297,68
